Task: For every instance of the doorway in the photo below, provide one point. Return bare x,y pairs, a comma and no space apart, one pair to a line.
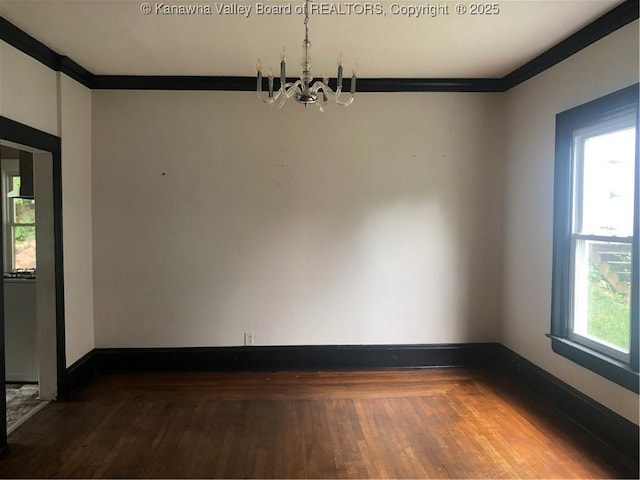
25,175
45,341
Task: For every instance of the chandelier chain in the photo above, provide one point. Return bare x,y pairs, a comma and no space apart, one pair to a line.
306,21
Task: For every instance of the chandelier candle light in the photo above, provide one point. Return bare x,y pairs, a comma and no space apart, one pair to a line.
303,90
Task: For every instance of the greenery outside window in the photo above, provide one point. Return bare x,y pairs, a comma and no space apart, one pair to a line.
594,319
21,228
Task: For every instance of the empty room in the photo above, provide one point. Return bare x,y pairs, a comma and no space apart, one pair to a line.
317,239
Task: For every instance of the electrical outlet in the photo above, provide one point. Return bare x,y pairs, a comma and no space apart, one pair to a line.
249,338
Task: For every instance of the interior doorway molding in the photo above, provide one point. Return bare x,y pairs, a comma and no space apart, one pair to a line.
19,133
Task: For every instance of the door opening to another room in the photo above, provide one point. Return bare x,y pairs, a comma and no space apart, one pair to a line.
28,281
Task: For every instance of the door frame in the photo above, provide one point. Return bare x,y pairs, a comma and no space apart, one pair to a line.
16,132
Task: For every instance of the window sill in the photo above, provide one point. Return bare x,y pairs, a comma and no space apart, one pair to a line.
609,368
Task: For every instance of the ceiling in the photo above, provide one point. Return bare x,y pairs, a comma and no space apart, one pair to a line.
114,38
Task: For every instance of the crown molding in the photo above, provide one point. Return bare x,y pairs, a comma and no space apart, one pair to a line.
28,45
429,85
248,84
77,72
611,21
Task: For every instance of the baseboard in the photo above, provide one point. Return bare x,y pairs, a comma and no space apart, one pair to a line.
276,358
80,372
613,429
9,379
308,357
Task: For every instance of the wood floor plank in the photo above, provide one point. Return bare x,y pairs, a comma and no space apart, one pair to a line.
450,423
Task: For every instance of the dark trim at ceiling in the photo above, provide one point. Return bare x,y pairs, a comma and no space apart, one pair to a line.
429,85
77,72
611,21
29,45
248,84
144,82
38,50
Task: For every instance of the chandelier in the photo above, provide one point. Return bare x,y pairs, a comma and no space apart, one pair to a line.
306,93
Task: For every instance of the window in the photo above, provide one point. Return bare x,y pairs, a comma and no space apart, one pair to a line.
594,318
21,227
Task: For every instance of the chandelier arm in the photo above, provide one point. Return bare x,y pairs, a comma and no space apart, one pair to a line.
304,91
270,100
319,85
295,88
334,96
348,102
284,94
280,104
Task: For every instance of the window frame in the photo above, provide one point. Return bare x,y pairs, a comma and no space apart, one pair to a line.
10,223
621,369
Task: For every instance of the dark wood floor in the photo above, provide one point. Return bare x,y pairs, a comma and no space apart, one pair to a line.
403,424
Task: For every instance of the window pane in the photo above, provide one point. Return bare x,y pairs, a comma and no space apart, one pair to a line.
607,184
24,210
15,182
24,247
602,307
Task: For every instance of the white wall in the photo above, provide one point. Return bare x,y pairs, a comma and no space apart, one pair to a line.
384,225
28,90
35,95
602,68
75,131
21,358
214,215
45,277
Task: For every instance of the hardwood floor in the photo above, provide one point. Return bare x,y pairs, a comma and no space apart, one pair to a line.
453,423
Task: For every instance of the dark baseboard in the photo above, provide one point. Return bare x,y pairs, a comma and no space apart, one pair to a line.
615,430
81,372
276,358
305,357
